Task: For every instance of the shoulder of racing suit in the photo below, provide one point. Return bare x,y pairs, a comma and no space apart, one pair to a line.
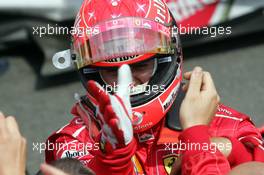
229,122
226,123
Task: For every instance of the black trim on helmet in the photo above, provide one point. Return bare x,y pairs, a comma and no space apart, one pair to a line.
164,75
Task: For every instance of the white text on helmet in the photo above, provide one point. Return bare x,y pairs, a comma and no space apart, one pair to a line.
161,11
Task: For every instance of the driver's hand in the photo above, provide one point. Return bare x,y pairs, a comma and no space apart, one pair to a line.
201,100
114,111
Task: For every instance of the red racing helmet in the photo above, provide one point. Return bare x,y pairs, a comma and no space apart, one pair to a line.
109,33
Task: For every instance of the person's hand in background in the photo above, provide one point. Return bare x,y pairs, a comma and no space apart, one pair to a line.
201,100
248,168
12,147
201,103
50,170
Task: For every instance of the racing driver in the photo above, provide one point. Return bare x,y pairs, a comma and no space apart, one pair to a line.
136,117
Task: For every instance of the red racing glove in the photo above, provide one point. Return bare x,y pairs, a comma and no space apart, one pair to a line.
114,111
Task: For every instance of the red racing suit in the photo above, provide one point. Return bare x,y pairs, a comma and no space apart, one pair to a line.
154,151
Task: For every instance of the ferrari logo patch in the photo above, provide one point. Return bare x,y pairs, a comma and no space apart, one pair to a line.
168,162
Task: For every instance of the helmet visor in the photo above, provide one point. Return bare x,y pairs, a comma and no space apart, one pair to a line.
123,37
141,74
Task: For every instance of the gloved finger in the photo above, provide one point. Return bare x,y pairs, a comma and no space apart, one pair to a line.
124,83
114,124
108,136
195,82
95,89
122,127
98,92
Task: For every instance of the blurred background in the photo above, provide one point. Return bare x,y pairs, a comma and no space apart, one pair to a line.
40,97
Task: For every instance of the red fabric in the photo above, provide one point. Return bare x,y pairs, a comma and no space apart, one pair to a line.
116,162
201,161
153,155
239,153
262,130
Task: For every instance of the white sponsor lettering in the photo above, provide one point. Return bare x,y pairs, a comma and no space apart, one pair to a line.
170,99
161,11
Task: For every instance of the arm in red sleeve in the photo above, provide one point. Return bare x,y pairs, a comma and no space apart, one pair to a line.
117,162
66,146
239,153
247,146
201,160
